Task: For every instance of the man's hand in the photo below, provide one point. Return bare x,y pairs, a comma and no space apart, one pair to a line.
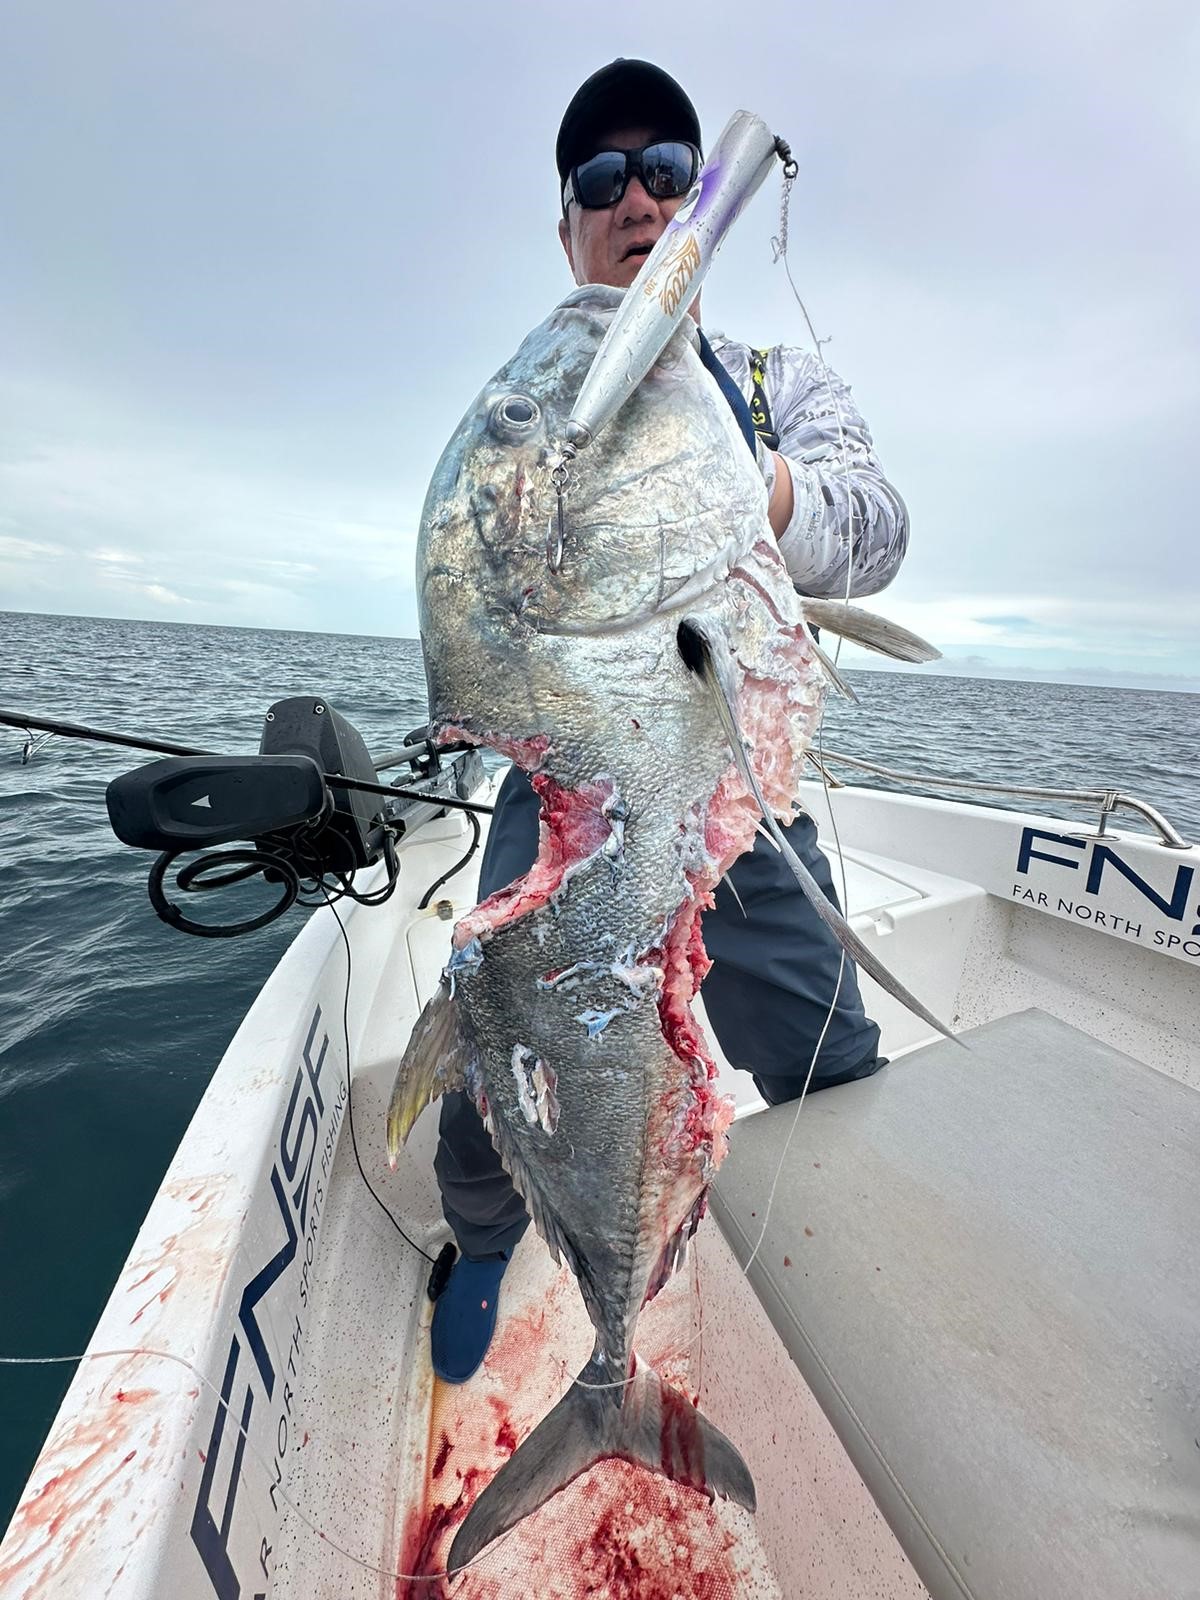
781,496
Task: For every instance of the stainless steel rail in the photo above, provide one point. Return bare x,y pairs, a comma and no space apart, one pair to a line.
1109,800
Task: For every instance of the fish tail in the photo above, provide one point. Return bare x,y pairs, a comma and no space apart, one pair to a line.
643,1420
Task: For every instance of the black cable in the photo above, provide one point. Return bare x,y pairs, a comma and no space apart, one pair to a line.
457,867
349,1076
374,897
377,897
247,862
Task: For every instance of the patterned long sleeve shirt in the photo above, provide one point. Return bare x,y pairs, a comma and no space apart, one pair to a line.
841,507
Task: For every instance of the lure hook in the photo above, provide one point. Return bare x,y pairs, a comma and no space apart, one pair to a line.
556,531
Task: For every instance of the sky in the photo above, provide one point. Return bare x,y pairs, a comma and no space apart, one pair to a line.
257,258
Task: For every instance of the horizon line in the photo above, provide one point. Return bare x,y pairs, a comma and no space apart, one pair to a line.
1146,682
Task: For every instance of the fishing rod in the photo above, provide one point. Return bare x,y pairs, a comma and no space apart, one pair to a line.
299,808
414,753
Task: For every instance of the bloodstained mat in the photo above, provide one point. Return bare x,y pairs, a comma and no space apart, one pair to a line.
619,1532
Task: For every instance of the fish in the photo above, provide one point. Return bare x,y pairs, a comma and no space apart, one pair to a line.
647,661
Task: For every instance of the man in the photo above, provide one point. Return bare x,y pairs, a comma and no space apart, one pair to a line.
628,152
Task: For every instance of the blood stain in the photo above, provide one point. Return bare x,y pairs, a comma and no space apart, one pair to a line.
419,1552
653,1541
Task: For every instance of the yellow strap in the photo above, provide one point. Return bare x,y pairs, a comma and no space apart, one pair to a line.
760,410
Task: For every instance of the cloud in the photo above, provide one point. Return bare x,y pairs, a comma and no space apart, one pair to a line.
15,549
161,595
118,558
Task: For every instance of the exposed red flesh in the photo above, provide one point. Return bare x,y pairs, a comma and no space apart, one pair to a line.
694,1117
572,828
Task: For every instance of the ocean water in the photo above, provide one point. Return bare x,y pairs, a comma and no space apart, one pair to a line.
111,1023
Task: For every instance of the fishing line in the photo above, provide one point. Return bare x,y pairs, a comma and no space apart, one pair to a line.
779,246
349,1078
267,1466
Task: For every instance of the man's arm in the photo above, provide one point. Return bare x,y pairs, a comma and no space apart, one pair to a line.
828,508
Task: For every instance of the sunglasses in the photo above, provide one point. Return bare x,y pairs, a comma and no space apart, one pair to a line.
666,168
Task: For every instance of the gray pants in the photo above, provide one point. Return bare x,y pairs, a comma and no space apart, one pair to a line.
774,971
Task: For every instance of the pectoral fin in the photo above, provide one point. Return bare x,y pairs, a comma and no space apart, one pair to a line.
434,1063
865,628
711,659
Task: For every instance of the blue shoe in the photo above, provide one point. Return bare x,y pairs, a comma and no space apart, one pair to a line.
464,1316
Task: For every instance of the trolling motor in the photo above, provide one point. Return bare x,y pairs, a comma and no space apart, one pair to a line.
309,806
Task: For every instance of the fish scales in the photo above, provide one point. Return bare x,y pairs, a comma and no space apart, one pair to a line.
567,1010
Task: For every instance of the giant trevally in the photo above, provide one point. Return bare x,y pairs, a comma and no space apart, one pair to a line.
657,679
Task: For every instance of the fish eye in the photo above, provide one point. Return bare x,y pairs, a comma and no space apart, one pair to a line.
514,417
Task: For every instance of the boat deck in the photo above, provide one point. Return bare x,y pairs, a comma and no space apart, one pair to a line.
269,1292
983,1262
